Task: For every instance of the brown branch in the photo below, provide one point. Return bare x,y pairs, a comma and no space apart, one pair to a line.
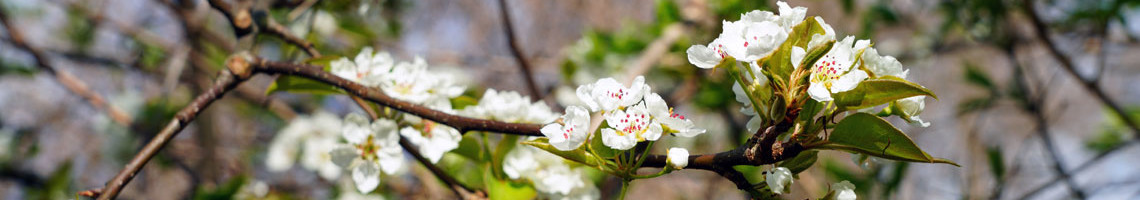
1035,107
1042,33
276,29
458,188
239,16
69,81
516,50
461,123
226,81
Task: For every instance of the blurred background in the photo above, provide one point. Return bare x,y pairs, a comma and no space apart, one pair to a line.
1033,95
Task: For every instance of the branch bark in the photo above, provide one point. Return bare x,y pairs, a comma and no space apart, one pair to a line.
224,83
516,51
69,81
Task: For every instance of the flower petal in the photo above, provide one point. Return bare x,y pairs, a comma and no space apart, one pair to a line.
848,81
343,156
702,56
366,175
819,92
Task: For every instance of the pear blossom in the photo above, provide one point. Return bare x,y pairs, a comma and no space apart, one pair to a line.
880,66
756,35
311,136
779,179
433,140
509,106
629,126
571,132
549,173
678,158
909,109
607,94
833,72
821,38
844,190
367,68
664,114
372,147
410,81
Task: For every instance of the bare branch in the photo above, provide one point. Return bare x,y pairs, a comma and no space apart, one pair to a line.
226,81
516,50
69,81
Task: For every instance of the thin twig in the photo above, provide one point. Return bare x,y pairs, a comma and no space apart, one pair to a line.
1067,63
69,81
224,83
1042,33
516,51
1035,107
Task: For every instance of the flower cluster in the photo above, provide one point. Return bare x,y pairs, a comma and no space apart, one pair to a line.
311,136
509,106
631,114
549,174
373,145
758,35
408,81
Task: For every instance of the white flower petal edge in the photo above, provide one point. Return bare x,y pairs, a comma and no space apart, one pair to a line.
572,132
779,179
678,158
844,190
703,57
663,114
607,94
882,65
366,175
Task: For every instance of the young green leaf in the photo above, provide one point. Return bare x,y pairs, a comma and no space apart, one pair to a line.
879,91
577,155
867,134
801,162
301,85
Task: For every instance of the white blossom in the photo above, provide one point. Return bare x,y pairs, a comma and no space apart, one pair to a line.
833,72
844,190
676,123
910,107
311,136
880,66
571,132
410,81
607,94
756,35
678,158
367,68
372,147
551,176
629,126
779,179
509,106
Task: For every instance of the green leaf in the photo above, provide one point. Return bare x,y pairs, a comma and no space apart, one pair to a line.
505,146
296,84
469,148
779,63
873,92
997,164
577,155
801,162
867,134
502,189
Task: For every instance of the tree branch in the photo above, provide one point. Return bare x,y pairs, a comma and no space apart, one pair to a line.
69,81
1042,33
224,83
461,123
516,50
